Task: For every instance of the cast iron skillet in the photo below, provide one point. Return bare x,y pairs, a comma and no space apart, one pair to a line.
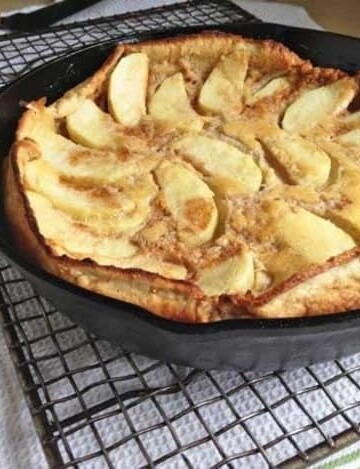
242,344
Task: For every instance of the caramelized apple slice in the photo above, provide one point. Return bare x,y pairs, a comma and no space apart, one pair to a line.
352,121
190,201
314,106
344,190
91,127
348,215
272,87
98,166
170,105
67,237
304,239
105,210
73,160
127,89
231,171
350,138
348,218
223,90
234,274
300,160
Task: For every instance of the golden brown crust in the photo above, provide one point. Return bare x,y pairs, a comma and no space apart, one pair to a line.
330,287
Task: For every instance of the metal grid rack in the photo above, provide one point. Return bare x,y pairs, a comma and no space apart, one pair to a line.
20,53
95,405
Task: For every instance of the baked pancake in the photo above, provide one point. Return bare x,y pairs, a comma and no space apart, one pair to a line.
205,177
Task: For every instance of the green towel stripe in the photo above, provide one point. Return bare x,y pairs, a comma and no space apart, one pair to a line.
341,460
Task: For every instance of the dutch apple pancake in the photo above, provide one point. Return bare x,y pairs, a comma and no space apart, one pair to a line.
202,177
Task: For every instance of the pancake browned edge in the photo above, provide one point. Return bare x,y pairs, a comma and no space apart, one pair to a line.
328,288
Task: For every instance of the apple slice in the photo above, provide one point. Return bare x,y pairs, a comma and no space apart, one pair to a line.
269,89
127,89
77,161
99,166
352,120
314,106
170,105
91,127
305,239
232,275
300,160
67,237
190,201
105,210
350,138
345,188
230,170
223,90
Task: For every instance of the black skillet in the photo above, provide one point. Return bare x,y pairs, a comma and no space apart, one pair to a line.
242,344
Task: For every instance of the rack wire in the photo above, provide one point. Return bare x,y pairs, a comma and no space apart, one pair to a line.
20,53
96,405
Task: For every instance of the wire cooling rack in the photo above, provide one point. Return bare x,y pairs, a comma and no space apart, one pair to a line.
95,405
21,52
